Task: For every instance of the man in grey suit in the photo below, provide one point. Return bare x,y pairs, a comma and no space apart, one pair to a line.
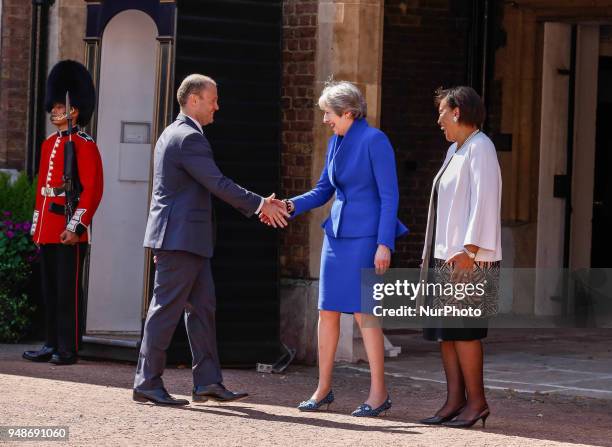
179,230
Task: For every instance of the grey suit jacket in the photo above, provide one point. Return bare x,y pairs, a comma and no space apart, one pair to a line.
184,176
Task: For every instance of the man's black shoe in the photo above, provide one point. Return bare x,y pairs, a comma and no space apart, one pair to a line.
42,355
159,396
63,358
216,392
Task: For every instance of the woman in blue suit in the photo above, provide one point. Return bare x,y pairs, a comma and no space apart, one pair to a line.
360,232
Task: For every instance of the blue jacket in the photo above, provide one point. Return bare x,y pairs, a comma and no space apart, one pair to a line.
360,170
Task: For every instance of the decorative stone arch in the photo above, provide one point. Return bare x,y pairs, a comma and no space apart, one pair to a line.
163,12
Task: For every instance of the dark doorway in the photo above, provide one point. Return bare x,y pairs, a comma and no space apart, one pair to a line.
238,43
602,193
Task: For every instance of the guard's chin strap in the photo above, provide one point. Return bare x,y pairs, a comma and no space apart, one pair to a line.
64,115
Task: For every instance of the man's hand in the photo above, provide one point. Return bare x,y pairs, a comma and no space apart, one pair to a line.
69,238
266,220
273,212
382,259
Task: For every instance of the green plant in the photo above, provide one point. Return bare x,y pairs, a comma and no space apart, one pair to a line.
17,196
15,316
17,254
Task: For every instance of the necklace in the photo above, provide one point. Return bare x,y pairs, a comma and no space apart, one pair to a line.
467,139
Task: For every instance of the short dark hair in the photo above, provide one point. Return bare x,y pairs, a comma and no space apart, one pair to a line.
472,108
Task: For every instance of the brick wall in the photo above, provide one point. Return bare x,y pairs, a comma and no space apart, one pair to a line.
424,47
14,77
298,99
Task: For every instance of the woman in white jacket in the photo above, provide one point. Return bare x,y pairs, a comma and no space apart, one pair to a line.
463,243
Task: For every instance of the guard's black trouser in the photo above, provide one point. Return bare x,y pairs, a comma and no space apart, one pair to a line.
62,288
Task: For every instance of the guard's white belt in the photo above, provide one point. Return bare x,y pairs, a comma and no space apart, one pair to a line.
52,192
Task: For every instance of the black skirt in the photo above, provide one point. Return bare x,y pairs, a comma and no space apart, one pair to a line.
454,334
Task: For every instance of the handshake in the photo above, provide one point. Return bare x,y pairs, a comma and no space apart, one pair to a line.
274,212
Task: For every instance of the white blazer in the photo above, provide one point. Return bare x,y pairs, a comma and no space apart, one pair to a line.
469,201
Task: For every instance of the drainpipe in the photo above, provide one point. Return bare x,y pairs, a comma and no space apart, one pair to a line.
485,52
38,72
571,108
479,48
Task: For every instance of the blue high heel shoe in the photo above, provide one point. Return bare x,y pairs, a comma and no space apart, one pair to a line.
365,410
313,405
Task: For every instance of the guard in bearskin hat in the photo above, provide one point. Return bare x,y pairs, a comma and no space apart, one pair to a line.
69,191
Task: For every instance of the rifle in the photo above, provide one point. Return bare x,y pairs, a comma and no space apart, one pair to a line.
72,185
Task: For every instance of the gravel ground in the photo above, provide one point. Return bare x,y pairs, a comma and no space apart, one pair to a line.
94,400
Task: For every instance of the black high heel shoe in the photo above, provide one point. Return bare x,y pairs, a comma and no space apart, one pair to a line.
438,420
463,423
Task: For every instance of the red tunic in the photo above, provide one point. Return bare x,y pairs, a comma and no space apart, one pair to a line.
46,225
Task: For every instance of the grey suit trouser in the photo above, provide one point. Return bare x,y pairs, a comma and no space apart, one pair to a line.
183,282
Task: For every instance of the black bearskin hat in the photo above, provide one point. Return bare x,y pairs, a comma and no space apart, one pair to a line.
73,77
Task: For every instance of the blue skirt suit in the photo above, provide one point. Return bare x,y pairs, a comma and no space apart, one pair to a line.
360,171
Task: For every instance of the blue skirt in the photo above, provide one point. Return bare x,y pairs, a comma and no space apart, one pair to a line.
340,277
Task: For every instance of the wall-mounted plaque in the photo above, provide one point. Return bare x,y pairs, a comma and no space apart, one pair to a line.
135,133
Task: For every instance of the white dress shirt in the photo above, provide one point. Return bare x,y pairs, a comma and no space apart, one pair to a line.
469,201
199,126
195,121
